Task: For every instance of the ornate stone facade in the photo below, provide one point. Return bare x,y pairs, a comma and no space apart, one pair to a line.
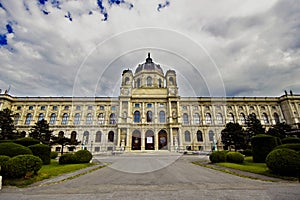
149,114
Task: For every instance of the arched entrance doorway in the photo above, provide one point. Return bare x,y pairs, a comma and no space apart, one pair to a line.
136,140
162,140
149,140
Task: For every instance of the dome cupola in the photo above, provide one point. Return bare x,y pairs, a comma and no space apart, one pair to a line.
149,65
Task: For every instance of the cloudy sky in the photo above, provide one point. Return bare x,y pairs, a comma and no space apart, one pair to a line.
218,48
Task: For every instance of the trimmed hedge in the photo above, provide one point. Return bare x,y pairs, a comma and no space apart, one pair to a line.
5,141
247,152
295,146
262,145
21,165
67,158
218,156
53,154
83,156
290,140
3,160
42,151
284,161
27,141
12,149
234,157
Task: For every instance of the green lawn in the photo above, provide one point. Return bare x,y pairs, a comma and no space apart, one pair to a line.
47,171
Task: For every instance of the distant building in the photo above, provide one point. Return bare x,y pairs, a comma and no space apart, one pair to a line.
148,115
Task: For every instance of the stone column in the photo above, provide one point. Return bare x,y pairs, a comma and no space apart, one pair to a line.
128,140
119,138
142,139
171,146
156,140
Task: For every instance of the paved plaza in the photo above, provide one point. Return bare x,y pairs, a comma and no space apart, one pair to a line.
155,176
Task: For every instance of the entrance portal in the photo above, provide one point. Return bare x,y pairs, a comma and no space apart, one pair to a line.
149,140
136,140
162,140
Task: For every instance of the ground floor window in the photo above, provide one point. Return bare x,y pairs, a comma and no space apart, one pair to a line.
57,149
97,149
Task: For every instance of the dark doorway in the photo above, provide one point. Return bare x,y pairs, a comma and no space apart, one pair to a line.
136,140
149,140
162,140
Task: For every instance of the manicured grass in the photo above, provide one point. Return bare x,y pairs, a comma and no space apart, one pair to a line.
47,171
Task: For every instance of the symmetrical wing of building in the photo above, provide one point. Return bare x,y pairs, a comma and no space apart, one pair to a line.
148,115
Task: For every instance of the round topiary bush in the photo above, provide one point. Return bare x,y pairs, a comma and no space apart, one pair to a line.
67,158
247,152
42,151
83,156
53,154
284,161
12,149
290,140
218,156
20,165
295,146
262,145
27,141
234,157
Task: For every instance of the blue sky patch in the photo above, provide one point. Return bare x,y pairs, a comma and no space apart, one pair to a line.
3,40
163,5
9,28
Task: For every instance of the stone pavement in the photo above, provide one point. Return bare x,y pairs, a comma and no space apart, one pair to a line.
179,179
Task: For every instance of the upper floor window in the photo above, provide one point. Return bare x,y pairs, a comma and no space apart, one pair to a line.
231,118
184,107
66,108
112,118
28,119
208,118
78,107
149,81
138,83
113,108
100,118
265,118
160,83
185,118
90,107
127,80
52,118
89,119
41,116
251,107
219,118
65,118
54,107
77,119
171,81
242,118
276,118
101,107
137,117
30,108
136,105
149,105
196,118
162,117
19,108
187,136
43,107
161,105
149,116
16,118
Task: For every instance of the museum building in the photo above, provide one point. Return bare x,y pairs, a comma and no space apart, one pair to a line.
148,115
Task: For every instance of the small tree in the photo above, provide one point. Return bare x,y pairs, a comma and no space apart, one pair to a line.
233,135
63,141
7,127
280,130
254,127
41,132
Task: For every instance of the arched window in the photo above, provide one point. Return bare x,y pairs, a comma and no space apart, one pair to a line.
111,136
276,118
265,118
89,119
171,81
61,134
138,83
196,118
160,83
149,81
41,116
137,117
162,117
77,119
185,118
242,118
28,119
219,118
208,118
112,118
100,118
199,136
149,116
65,119
98,136
52,118
16,119
127,81
187,136
231,118
73,136
86,135
211,135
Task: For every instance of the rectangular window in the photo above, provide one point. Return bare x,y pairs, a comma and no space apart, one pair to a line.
97,149
54,107
30,108
113,108
57,149
101,107
136,105
161,105
90,107
149,105
184,107
66,108
43,107
78,107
